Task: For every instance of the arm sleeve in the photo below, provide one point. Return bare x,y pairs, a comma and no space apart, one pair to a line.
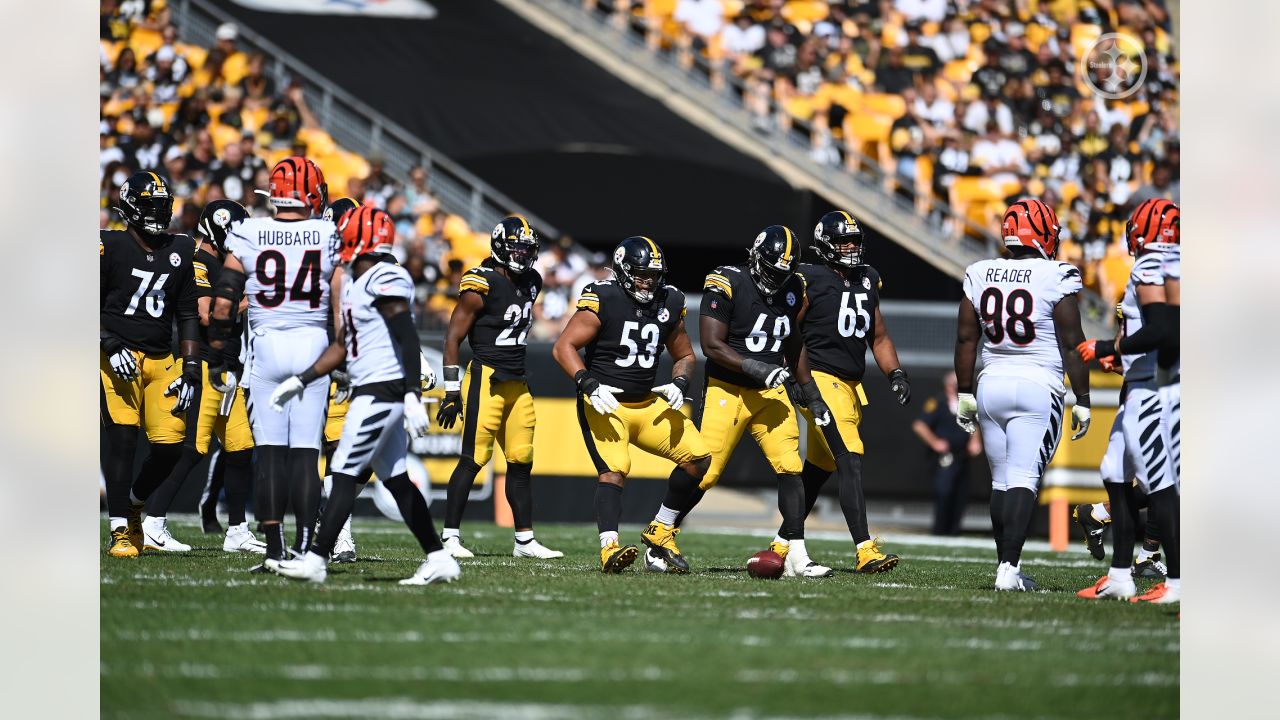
405,335
1152,334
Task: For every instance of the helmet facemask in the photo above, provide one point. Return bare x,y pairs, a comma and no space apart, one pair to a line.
642,283
768,278
517,255
151,214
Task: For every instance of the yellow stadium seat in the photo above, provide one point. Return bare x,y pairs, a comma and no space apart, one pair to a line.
978,34
800,107
255,119
318,141
885,104
222,135
1069,191
958,71
144,42
234,68
869,127
111,49
455,229
1083,36
1037,34
732,8
194,54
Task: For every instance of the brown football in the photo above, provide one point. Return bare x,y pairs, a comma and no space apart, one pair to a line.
765,564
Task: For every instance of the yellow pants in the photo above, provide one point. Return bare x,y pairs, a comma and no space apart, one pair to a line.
499,410
650,425
142,403
730,410
232,429
845,399
337,417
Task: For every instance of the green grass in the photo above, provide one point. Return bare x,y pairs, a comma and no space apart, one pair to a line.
196,636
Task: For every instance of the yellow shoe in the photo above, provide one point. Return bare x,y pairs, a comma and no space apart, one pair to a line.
615,558
662,538
871,560
135,526
121,545
780,548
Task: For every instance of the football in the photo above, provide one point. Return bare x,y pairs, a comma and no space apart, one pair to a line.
765,564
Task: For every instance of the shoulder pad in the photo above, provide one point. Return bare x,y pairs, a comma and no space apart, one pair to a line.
717,281
472,280
591,295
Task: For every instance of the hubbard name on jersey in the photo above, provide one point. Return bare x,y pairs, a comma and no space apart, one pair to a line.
626,349
758,323
141,288
841,313
499,334
372,355
288,264
1015,301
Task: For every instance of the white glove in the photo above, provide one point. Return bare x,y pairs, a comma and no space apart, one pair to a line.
286,391
124,365
602,399
967,412
1080,419
776,378
671,391
415,416
428,375
342,380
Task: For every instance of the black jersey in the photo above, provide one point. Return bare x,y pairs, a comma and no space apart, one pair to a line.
207,268
625,352
759,324
142,290
498,337
841,318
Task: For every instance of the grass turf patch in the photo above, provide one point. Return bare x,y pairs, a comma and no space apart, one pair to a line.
195,635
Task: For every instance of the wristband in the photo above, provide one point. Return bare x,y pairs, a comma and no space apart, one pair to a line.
898,373
682,382
1082,399
453,378
1104,348
309,375
109,343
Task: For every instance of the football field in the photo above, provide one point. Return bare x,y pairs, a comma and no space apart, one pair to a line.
195,636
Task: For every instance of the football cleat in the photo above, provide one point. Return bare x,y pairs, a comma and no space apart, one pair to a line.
157,537
344,548
1150,568
1109,588
535,549
661,539
798,564
240,539
1160,594
872,560
781,549
653,563
615,558
1009,578
134,519
1027,583
1093,529
310,567
439,567
454,546
209,524
122,545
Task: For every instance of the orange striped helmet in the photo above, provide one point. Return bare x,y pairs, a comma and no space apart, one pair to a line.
297,182
1031,223
1154,225
365,229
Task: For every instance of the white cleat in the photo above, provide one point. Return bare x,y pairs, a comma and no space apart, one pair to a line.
535,549
1010,578
439,567
240,539
798,564
309,567
156,536
344,548
1110,588
653,563
454,546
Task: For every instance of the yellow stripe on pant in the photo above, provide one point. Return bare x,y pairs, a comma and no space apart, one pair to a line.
650,425
496,410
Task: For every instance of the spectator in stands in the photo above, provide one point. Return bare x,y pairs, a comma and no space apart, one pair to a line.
234,63
441,302
952,448
1162,185
701,22
258,88
234,171
990,109
920,59
740,40
952,161
991,77
1123,167
893,76
124,73
777,61
417,195
146,147
163,78
201,156
932,108
1000,158
951,43
597,270
922,10
378,183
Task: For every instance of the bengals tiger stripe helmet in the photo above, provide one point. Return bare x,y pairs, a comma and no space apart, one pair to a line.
1031,223
1154,225
297,182
364,230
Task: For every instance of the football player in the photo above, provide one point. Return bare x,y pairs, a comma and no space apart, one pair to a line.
344,548
292,288
494,311
746,324
842,320
624,323
212,412
379,342
147,281
1152,231
1023,309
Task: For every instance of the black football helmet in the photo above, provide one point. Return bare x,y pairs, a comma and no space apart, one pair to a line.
339,207
217,218
640,267
771,260
514,243
831,238
146,204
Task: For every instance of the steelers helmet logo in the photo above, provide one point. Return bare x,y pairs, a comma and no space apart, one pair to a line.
619,255
221,217
791,299
759,239
866,282
175,259
664,315
497,231
817,232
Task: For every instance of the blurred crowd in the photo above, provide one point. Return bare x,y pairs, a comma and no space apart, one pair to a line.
214,120
967,102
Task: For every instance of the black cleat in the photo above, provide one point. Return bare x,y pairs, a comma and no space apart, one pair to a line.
1093,529
1150,568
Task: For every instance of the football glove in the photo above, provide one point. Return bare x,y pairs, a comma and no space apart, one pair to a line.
1096,349
1110,365
450,408
342,390
428,376
183,389
220,367
967,412
123,364
767,374
900,385
1080,419
415,417
674,391
600,396
286,391
817,406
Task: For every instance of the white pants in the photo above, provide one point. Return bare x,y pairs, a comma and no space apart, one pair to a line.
1021,423
275,355
1171,409
373,434
1117,466
1146,437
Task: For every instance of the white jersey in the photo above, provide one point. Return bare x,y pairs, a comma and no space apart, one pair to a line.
1148,269
372,354
1172,265
1015,301
288,264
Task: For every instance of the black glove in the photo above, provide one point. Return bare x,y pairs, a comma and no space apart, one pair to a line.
900,385
767,374
123,363
224,372
184,388
342,385
795,393
450,409
817,406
